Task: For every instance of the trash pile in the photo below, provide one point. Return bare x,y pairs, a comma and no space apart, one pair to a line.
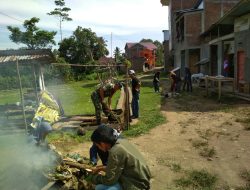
71,173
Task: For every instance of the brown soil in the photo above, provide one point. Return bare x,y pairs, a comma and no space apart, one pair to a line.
195,122
174,143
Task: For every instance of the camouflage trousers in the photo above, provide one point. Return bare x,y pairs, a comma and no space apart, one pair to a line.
99,107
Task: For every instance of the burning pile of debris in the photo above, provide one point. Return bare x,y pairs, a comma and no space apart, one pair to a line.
71,173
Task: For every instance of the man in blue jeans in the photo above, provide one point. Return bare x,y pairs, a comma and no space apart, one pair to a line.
136,84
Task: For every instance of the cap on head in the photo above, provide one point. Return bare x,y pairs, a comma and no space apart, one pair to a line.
131,72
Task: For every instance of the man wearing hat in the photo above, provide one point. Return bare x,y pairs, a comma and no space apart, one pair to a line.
136,84
98,96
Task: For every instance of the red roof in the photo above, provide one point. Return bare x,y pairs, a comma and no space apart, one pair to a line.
147,45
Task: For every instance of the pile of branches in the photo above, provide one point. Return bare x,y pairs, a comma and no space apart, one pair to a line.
71,173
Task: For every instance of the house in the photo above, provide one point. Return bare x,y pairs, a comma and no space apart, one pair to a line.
187,20
229,38
141,55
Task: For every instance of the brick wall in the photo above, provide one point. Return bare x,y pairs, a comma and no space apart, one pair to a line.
166,55
214,9
193,28
182,4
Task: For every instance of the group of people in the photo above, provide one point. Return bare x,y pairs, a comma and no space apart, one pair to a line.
107,90
124,166
176,81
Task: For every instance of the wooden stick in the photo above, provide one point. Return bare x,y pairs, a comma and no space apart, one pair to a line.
49,185
21,94
78,165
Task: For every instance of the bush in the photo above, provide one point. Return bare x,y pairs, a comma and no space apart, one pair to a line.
92,76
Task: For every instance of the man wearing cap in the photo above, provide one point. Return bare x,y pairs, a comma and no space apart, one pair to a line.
98,96
136,84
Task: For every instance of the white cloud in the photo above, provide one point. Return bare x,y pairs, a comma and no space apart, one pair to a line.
121,17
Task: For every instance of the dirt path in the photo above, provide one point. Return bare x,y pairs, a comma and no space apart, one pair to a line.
190,128
200,134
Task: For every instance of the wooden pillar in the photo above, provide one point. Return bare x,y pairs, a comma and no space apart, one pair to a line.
219,89
206,84
41,78
34,76
220,57
127,107
21,94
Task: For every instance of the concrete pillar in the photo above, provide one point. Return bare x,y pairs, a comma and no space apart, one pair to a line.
220,58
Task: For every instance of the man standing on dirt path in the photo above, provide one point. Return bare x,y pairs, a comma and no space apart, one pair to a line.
136,84
187,80
98,96
126,168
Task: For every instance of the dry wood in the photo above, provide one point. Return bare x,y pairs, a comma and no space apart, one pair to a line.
49,185
78,165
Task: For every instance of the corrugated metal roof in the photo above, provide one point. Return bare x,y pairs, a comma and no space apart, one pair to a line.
10,56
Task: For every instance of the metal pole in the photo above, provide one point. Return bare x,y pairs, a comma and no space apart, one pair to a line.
21,94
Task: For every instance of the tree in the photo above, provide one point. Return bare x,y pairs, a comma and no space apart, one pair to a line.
61,12
159,53
33,37
117,55
146,40
83,47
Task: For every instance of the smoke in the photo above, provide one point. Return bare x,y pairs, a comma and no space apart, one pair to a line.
22,163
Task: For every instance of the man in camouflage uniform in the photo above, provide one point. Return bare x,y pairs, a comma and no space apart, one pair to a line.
98,96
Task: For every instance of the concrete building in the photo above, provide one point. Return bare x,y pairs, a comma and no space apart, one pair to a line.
188,19
167,63
229,38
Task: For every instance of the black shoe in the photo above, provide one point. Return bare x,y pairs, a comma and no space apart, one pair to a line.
133,117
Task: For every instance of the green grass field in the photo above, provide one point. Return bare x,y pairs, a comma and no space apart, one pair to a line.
75,99
9,96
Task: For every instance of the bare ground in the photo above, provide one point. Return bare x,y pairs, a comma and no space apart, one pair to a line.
180,141
200,133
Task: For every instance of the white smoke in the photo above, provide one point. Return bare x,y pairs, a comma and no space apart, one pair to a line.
22,163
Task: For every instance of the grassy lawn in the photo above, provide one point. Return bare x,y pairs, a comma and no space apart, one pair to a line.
75,99
150,115
9,97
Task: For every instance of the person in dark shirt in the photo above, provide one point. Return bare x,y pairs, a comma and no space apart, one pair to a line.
156,81
136,84
176,82
187,80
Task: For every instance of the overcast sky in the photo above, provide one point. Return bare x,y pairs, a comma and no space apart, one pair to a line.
127,20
